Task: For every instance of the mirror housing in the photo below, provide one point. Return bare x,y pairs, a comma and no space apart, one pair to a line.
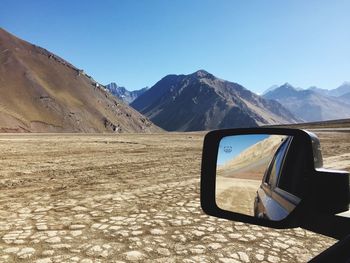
330,191
325,192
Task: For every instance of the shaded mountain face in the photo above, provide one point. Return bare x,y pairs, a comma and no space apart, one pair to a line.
324,92
200,101
310,105
41,92
123,94
345,97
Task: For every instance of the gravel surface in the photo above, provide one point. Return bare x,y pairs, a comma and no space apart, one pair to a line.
123,198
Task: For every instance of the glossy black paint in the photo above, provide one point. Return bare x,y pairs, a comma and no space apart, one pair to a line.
208,175
325,192
324,195
272,202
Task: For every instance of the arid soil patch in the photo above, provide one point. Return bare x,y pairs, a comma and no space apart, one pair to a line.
121,198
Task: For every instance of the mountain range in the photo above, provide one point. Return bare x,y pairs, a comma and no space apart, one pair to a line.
124,94
41,92
201,101
337,92
313,104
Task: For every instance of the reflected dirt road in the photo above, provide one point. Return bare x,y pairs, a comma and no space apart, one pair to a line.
236,187
237,195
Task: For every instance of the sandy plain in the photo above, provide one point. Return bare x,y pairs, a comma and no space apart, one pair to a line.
131,197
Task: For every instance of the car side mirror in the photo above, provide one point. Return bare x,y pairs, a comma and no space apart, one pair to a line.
269,177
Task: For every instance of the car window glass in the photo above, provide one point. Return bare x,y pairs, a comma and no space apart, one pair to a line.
268,171
277,164
289,180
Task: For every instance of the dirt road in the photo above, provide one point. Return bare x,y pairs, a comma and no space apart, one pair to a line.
121,198
236,194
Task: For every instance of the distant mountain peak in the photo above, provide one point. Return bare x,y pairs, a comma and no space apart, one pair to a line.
285,87
341,90
116,86
313,104
124,94
273,87
201,71
288,86
201,101
202,74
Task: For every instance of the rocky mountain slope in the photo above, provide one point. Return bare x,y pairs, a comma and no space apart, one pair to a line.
345,97
200,101
124,94
41,92
264,149
310,104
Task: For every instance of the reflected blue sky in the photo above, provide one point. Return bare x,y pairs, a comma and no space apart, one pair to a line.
230,146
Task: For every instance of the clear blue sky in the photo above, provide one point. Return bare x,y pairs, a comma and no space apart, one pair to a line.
135,43
238,143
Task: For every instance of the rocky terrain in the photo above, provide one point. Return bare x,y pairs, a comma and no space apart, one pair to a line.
127,198
41,92
201,101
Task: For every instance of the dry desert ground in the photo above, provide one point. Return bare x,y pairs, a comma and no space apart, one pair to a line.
131,197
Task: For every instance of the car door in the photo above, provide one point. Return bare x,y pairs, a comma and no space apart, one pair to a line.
271,201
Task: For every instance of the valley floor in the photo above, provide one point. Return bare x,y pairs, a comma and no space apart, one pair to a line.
120,198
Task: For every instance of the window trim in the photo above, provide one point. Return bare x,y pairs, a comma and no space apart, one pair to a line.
267,176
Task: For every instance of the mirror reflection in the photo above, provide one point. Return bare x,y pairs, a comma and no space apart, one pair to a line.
252,176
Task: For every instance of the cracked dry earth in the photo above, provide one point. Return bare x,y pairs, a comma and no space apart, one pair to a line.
121,198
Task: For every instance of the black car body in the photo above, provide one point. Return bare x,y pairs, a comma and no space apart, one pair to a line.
277,196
